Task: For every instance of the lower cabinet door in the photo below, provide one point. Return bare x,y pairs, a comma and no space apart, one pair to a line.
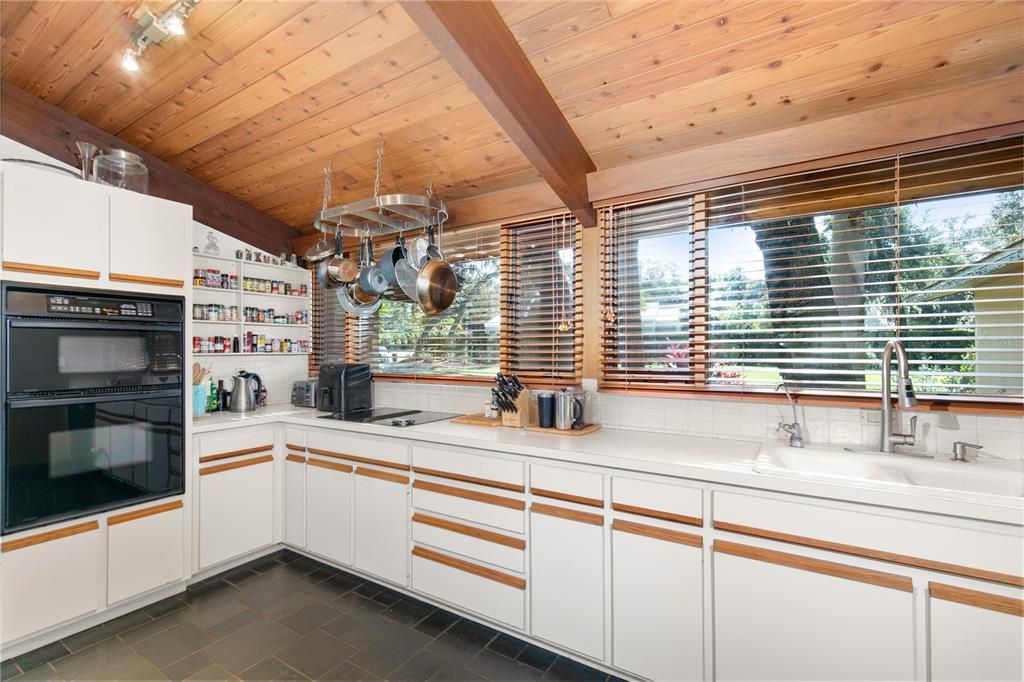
145,550
657,603
295,500
567,578
382,524
49,577
975,635
780,616
236,508
329,509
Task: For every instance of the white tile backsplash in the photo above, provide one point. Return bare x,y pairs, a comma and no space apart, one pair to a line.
276,371
833,426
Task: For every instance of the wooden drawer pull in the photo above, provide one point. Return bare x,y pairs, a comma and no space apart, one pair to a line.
382,475
658,533
48,536
486,498
361,460
982,600
890,557
296,448
142,279
501,485
472,531
570,514
864,575
227,466
566,497
489,573
296,458
658,514
142,513
47,270
324,464
235,453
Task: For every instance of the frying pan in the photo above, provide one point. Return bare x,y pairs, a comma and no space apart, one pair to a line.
407,276
436,286
347,298
321,249
371,277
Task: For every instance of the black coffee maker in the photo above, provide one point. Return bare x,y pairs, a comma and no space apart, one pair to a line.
344,387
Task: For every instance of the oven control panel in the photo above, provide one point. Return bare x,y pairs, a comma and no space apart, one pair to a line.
79,305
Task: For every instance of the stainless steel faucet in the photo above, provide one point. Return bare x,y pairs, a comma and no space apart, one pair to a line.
905,392
796,438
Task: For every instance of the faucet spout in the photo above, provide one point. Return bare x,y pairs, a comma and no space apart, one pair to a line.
905,396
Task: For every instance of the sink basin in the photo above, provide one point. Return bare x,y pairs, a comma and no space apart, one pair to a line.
984,476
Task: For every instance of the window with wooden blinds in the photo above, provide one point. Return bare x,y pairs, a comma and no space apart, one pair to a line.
649,258
461,342
542,301
328,329
808,275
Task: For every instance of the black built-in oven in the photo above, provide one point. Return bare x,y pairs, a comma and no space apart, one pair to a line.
93,402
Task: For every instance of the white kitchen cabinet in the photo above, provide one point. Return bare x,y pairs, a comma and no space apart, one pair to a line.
295,500
329,509
150,239
567,578
145,549
780,616
49,577
975,635
382,524
53,224
657,602
236,508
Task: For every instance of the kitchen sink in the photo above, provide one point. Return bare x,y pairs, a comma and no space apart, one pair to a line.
986,476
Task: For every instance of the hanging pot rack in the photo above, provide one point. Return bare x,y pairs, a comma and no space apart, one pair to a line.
382,215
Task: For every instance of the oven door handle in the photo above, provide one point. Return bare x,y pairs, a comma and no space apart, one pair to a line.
17,404
105,326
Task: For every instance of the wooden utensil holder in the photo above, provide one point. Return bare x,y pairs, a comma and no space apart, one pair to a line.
522,417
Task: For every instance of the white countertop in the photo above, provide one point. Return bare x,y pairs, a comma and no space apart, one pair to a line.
703,458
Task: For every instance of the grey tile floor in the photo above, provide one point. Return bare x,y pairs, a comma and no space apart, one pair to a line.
287,617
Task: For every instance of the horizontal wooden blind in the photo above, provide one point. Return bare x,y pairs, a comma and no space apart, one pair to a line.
648,258
809,275
462,341
542,301
328,329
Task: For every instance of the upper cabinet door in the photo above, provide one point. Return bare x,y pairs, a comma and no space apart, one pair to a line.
149,239
53,224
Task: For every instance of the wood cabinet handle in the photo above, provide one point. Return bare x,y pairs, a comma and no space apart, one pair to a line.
658,514
324,464
296,448
864,575
296,458
566,497
490,483
486,498
382,475
569,514
50,270
48,536
982,600
142,513
236,453
471,531
489,573
356,458
227,466
143,279
658,533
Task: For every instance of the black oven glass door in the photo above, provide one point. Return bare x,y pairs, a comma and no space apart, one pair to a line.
67,458
48,356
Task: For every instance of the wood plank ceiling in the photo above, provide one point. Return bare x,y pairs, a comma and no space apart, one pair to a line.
260,94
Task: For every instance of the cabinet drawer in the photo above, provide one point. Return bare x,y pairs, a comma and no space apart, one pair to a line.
995,553
487,546
581,487
294,439
657,500
485,591
497,511
376,451
145,549
469,466
235,443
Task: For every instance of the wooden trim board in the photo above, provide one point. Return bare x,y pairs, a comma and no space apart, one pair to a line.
299,459
48,536
568,514
486,498
382,475
227,466
142,279
142,513
235,453
296,448
864,575
657,514
49,270
982,600
566,497
489,573
513,487
471,531
324,464
657,533
355,458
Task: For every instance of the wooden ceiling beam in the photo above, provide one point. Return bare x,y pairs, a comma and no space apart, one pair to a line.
52,131
476,41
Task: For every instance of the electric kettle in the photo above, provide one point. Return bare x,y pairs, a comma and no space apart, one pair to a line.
244,393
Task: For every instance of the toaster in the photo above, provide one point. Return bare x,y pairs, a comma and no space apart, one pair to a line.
304,393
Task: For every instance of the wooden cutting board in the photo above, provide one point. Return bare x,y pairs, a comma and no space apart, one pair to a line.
477,419
589,428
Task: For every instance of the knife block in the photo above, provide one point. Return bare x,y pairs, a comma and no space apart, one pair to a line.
522,417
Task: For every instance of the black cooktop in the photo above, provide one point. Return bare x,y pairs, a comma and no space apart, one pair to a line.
390,416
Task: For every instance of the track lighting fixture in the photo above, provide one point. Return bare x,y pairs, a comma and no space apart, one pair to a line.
155,29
